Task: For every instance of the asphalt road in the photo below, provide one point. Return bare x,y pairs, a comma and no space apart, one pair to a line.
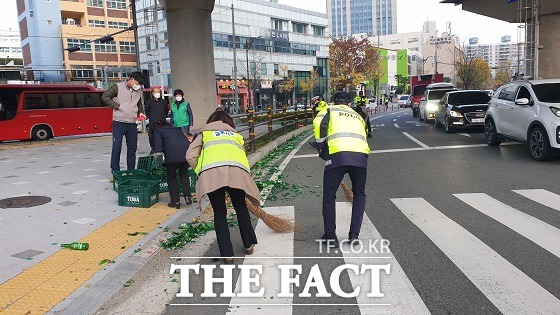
472,229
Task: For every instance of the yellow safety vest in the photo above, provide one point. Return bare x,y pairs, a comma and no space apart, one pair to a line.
346,132
222,148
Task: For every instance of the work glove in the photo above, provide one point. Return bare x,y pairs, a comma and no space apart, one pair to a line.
322,149
141,117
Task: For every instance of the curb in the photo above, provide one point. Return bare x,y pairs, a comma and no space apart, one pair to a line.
97,291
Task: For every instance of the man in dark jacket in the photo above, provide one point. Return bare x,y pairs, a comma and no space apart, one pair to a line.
156,110
173,144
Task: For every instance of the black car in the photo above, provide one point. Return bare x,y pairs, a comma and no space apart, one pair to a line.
462,109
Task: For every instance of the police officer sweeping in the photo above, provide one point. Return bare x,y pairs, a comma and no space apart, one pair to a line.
340,138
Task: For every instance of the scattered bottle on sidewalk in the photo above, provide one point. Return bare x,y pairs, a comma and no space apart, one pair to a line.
76,246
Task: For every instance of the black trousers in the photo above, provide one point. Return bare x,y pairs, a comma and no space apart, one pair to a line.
218,201
172,183
331,180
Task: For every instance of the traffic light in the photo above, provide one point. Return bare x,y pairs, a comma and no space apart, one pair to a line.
106,39
73,49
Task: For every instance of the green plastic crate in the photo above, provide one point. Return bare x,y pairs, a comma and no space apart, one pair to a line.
138,193
149,163
120,176
161,177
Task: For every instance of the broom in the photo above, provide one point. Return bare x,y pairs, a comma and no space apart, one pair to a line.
347,191
276,223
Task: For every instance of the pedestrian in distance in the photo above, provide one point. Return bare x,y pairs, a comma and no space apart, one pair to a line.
317,103
173,144
218,157
156,111
361,101
181,113
126,100
340,138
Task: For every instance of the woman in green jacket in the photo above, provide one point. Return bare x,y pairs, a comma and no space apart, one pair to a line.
181,113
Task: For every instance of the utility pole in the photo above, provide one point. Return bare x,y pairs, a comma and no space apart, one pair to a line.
135,29
236,90
249,98
160,68
378,64
436,57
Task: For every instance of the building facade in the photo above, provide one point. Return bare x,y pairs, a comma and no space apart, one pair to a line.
274,44
372,17
10,46
499,55
48,28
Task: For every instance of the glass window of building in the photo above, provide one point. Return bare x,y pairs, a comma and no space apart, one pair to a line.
95,3
318,31
113,24
96,23
276,69
116,4
106,47
127,47
263,69
82,43
299,28
253,67
277,24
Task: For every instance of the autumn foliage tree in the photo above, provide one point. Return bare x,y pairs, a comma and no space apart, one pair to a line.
503,73
308,85
352,62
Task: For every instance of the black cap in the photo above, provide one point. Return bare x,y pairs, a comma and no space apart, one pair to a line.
342,97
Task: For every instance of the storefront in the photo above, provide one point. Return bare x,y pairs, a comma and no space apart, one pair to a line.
226,95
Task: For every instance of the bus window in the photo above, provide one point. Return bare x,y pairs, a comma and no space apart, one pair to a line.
89,100
35,101
68,100
52,100
8,106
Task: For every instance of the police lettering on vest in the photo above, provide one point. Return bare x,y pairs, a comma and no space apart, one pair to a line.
346,131
222,148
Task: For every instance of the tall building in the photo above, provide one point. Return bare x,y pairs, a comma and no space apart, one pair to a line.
10,47
275,41
372,17
48,27
499,55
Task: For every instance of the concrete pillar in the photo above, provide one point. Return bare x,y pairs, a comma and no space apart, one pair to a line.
191,51
549,64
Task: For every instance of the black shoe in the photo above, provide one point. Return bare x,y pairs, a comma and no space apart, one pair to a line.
369,135
188,200
333,240
352,237
174,205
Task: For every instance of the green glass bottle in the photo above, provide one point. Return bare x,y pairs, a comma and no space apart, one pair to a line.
76,246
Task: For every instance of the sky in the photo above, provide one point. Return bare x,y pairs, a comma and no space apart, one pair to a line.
410,16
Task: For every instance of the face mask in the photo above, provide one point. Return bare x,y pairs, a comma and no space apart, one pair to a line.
136,87
157,95
178,98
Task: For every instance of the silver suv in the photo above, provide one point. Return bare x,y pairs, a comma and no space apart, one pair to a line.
526,111
430,100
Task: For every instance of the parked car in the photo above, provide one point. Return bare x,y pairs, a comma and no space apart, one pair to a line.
430,100
526,111
462,109
403,100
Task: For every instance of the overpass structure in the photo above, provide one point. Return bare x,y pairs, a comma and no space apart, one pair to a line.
540,23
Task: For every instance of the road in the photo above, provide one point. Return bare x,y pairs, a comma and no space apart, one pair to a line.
472,229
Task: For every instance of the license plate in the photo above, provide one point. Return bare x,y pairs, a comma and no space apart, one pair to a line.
478,120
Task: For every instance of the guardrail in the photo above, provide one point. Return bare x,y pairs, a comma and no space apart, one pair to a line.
283,118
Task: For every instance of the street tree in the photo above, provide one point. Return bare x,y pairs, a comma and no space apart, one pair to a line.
402,83
503,74
352,62
308,85
473,73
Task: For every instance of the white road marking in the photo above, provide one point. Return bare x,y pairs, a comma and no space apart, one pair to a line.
541,196
44,172
394,120
420,143
84,220
7,161
96,161
412,121
396,126
399,291
271,244
68,163
89,176
80,192
89,169
464,135
507,287
539,232
20,183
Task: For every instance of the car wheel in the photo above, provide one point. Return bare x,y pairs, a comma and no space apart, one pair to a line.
41,133
490,133
539,145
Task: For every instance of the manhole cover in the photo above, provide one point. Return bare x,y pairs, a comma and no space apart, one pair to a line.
24,202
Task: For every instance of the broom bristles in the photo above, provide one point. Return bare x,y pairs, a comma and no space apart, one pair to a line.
347,191
274,222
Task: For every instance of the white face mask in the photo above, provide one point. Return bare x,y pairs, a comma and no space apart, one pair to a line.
136,87
157,95
178,98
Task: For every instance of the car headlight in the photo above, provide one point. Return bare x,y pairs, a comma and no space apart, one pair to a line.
555,111
431,106
455,114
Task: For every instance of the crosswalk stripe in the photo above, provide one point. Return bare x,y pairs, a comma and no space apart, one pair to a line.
541,196
399,291
271,244
541,233
507,287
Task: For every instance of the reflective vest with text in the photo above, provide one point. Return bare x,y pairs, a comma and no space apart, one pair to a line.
222,148
346,131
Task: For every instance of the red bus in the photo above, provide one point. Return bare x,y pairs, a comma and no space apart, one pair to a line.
43,111
418,85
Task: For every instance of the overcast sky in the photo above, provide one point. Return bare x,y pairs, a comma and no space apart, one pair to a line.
410,16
